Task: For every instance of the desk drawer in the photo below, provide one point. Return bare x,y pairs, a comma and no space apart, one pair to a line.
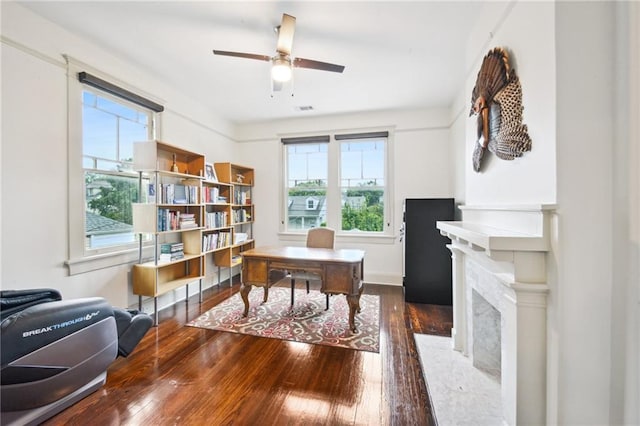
255,271
343,279
296,266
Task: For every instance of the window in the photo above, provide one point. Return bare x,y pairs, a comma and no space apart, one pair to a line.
104,121
306,185
312,203
338,181
109,128
362,184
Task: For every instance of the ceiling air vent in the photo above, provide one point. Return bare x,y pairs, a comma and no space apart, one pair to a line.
304,108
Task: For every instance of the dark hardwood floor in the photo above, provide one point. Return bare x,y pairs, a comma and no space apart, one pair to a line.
192,376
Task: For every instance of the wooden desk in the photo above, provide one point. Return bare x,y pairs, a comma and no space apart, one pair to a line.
341,271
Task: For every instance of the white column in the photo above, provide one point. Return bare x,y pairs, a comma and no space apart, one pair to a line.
459,330
524,367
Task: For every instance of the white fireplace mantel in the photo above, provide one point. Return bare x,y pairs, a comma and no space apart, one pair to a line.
499,252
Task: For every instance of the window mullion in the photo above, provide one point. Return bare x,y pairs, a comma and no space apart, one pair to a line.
334,190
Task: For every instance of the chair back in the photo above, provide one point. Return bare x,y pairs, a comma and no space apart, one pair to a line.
320,238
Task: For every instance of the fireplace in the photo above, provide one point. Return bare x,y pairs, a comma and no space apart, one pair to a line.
500,298
485,336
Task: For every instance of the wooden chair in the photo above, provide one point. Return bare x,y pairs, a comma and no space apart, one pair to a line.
316,238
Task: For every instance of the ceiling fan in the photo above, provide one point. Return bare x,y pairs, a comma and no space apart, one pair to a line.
282,62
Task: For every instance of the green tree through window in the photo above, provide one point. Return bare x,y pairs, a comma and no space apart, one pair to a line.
114,200
340,182
369,216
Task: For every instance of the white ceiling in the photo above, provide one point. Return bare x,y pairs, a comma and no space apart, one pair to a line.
398,55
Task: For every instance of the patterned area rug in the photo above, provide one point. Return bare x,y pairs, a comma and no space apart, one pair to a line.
307,321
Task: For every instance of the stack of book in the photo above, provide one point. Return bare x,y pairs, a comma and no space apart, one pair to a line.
171,251
187,221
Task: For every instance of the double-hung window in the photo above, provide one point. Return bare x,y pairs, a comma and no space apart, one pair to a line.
306,182
362,182
338,180
109,128
105,121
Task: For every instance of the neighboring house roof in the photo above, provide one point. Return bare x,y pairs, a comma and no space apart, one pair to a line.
97,224
298,206
97,184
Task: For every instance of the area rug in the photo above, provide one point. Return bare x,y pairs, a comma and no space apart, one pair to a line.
307,321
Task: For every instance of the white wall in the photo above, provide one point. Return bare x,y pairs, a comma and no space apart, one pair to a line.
625,327
35,196
565,56
421,162
530,179
585,141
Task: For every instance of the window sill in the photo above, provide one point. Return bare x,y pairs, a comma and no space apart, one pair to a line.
100,261
344,237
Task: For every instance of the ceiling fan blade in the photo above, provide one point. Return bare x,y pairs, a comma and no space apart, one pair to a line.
317,65
243,55
285,34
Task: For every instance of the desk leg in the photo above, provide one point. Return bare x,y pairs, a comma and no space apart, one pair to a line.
354,305
359,294
244,292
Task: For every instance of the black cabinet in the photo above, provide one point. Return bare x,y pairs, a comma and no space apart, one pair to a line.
427,261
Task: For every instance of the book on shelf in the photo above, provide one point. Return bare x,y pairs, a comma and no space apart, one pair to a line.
179,194
209,242
151,193
241,215
171,247
169,257
187,221
170,193
224,239
211,194
216,240
240,237
216,220
171,220
240,197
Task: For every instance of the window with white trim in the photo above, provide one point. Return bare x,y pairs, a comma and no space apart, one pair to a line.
346,175
104,121
362,184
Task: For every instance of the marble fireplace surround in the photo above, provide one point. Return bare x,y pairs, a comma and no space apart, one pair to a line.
498,256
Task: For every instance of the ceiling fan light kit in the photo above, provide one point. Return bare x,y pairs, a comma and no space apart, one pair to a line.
281,68
282,63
